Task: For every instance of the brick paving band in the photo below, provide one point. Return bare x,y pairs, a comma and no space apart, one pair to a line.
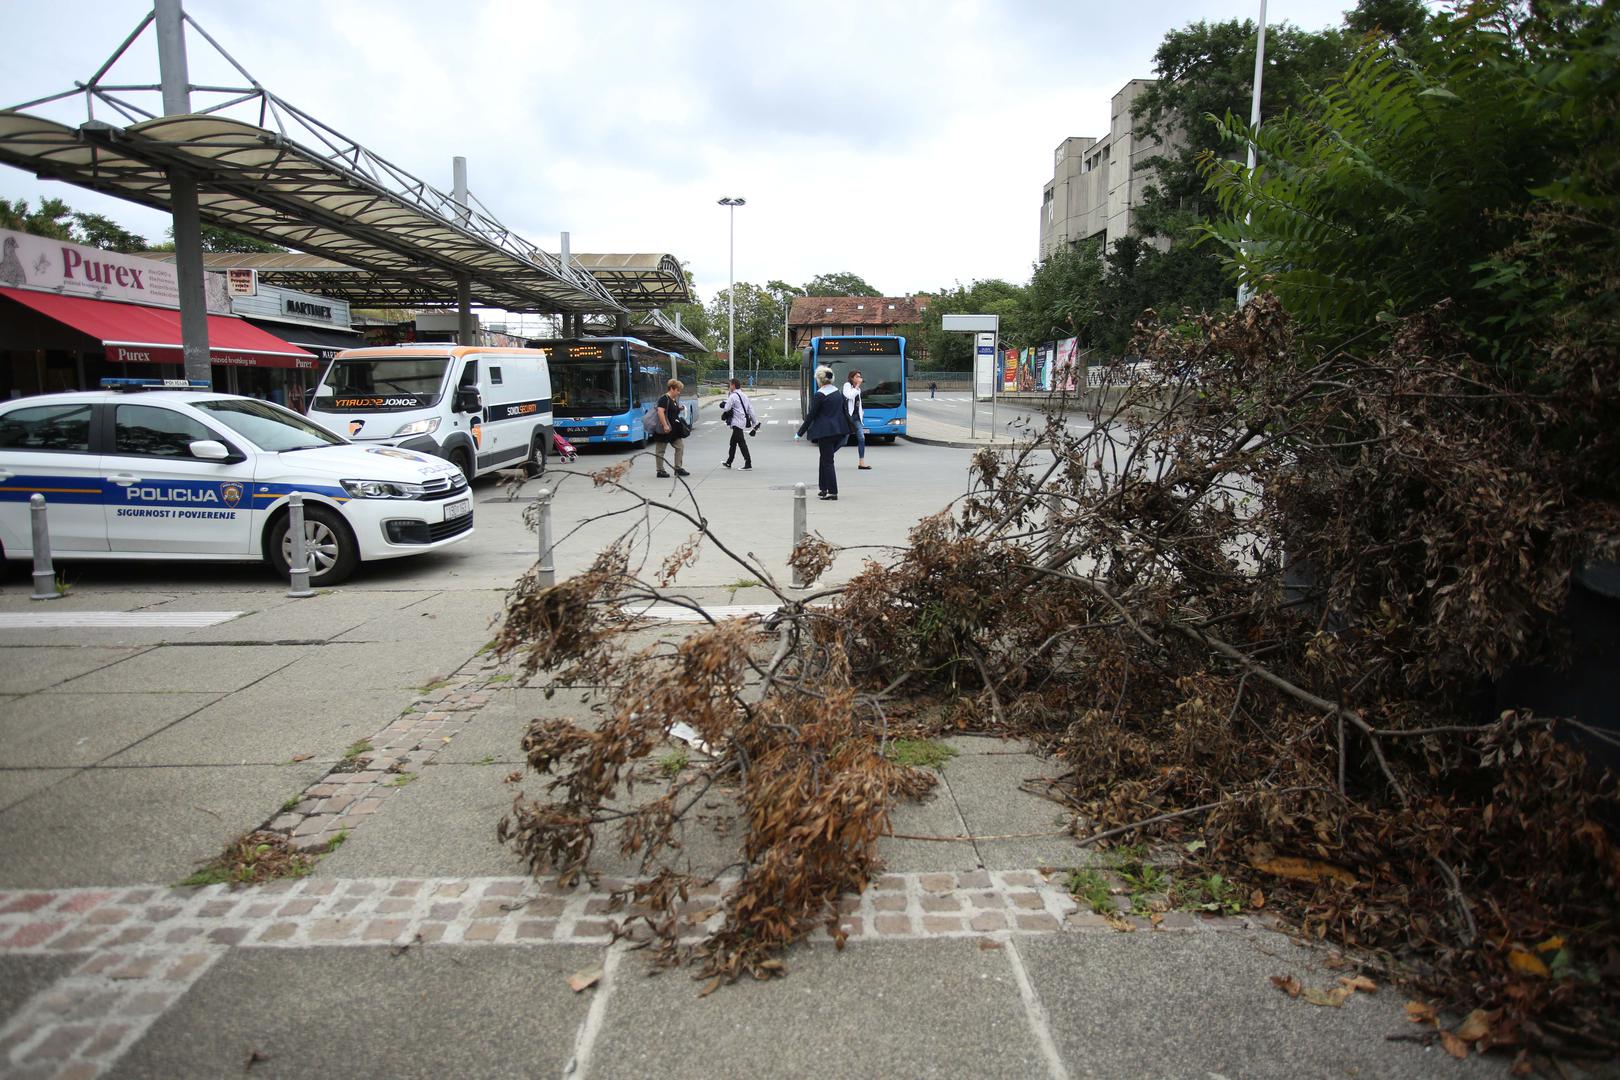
144,947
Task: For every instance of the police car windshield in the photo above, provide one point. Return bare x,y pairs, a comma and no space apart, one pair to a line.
267,426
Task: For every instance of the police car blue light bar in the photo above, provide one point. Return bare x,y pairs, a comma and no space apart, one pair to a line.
155,384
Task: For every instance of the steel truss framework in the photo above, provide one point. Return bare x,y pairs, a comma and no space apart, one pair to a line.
285,177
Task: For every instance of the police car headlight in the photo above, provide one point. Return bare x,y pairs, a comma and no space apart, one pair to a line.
419,427
623,429
382,489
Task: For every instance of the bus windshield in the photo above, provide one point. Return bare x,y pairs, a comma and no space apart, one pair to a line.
880,385
594,388
383,383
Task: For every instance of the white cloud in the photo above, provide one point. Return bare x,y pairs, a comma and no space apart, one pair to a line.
906,142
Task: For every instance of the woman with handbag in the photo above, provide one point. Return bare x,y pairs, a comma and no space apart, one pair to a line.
738,414
827,422
671,428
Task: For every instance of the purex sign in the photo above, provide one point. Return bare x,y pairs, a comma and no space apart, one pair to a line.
39,262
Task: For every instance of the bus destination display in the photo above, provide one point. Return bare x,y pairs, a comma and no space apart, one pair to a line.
854,346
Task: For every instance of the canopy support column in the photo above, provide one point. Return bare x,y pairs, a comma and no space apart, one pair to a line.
188,262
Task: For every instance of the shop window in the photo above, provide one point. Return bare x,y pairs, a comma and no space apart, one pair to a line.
149,431
47,427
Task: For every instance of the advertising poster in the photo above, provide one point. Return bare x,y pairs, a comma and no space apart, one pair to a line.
1026,369
1065,378
1043,365
1009,371
38,262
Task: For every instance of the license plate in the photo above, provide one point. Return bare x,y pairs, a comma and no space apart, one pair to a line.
459,509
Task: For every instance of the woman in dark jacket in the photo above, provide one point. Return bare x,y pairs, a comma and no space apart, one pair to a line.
827,422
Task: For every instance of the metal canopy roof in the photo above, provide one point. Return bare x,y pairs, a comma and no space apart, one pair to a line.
636,281
257,182
272,171
659,331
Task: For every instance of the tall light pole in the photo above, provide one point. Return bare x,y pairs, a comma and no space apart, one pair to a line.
731,205
1254,124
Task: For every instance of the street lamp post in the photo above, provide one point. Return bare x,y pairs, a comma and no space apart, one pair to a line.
1254,125
731,205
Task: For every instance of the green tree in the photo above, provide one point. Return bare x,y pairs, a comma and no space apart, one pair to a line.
216,239
950,351
53,218
759,326
103,232
1394,188
843,283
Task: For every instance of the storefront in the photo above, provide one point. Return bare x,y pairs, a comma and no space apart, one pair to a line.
317,324
72,315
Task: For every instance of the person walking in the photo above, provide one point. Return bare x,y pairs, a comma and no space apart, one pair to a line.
827,422
674,429
857,415
933,386
738,413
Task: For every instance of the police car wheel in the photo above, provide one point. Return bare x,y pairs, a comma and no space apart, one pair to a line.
333,553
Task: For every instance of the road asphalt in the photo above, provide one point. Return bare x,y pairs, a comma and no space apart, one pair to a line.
156,713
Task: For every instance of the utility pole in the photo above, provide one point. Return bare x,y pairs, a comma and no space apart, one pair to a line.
188,261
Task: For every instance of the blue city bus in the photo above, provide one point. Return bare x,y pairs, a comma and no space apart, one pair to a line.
602,386
881,360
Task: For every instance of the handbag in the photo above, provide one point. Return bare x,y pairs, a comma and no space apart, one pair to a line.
652,422
726,412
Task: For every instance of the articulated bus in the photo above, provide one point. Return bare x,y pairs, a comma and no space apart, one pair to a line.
601,386
882,364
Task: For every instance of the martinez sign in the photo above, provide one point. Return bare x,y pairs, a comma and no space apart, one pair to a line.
39,262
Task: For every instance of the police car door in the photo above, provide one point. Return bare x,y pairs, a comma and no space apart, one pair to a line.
161,498
45,449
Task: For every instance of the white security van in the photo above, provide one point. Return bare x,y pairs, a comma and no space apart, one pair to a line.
481,407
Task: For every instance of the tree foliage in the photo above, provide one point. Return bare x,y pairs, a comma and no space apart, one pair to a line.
54,218
1408,180
842,283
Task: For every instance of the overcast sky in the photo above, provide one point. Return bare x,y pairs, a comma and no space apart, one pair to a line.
907,142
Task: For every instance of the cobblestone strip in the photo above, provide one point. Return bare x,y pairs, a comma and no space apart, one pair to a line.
351,792
510,910
86,1020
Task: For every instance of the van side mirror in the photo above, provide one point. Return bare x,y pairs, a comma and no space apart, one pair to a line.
469,400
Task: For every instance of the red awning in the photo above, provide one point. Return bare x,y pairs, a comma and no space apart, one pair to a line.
136,334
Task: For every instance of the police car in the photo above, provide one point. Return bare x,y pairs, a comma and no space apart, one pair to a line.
145,470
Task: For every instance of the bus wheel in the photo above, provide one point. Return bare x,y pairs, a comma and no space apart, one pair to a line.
461,459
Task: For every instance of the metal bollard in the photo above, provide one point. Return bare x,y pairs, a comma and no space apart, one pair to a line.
800,527
548,571
298,561
44,574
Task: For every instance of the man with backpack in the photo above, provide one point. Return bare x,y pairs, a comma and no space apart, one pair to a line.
738,413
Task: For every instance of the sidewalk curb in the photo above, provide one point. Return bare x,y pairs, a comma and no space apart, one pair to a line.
960,444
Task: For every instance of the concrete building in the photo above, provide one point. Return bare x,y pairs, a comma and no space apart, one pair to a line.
1097,184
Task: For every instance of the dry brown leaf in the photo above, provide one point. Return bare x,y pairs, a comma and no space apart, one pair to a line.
1287,984
1360,982
583,979
302,757
1552,944
1474,1027
1257,899
1454,1046
1296,869
988,943
1332,999
1526,962
1419,1012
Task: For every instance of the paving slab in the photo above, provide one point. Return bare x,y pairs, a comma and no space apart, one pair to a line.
912,1009
21,977
346,668
277,617
19,784
935,816
430,1012
25,669
138,826
442,824
1198,1005
497,731
267,725
196,668
468,615
59,729
986,790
